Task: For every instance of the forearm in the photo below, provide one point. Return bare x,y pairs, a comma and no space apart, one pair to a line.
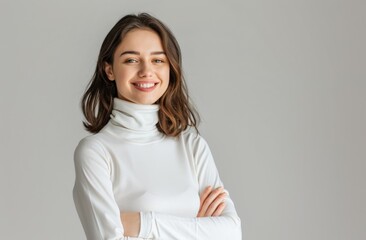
165,226
158,225
131,223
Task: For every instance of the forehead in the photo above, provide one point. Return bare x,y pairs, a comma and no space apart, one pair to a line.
141,40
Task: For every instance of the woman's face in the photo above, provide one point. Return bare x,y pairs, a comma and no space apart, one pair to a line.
140,67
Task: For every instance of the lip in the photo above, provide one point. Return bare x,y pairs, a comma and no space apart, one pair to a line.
145,89
146,81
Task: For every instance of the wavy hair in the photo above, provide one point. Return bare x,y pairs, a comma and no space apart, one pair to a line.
176,111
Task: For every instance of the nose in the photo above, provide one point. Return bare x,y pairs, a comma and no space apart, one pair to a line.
145,70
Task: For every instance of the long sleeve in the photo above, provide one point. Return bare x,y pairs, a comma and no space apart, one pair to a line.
225,226
130,166
93,194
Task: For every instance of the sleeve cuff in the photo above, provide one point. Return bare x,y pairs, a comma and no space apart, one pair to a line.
146,222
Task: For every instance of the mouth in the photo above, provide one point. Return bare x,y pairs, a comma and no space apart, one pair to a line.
145,86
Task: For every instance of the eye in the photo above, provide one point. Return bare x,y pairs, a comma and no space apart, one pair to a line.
158,60
130,60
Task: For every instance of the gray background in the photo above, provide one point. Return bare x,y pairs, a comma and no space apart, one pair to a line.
280,86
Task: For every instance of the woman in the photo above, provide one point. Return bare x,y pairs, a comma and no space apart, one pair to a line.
144,173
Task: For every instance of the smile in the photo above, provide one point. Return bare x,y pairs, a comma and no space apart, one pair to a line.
146,87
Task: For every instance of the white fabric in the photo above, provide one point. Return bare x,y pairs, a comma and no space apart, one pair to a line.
130,166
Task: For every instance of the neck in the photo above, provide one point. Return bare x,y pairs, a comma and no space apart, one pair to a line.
136,122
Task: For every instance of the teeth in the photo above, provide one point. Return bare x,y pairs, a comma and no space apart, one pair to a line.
145,85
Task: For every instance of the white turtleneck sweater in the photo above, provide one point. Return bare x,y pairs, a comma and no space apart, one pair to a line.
130,166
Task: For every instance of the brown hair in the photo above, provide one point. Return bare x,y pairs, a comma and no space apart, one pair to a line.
176,112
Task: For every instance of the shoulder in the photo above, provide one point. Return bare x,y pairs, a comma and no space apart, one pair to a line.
90,147
196,142
89,142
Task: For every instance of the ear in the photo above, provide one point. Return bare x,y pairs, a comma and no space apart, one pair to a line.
109,71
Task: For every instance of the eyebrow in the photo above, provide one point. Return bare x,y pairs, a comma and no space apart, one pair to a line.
138,53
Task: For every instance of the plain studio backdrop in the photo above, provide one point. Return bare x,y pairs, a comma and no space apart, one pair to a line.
280,85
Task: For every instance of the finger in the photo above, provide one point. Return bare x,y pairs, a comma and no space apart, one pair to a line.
211,203
210,199
204,194
213,206
200,213
219,209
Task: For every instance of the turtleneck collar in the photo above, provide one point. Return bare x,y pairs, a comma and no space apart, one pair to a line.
136,121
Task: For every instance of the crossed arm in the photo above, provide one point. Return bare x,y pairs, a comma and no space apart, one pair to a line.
101,218
211,204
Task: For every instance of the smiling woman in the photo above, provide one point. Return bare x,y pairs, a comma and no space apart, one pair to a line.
140,67
145,173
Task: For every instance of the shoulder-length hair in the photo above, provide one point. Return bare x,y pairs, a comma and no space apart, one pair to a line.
176,112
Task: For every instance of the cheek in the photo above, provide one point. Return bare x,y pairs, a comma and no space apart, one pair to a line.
122,79
124,75
166,74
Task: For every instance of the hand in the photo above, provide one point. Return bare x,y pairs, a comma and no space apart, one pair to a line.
211,203
131,223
